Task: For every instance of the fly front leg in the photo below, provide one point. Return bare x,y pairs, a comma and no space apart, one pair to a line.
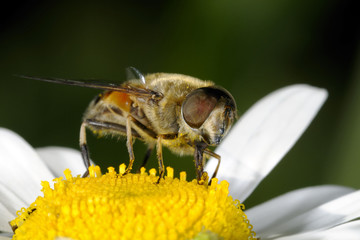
200,162
84,148
129,144
160,158
217,157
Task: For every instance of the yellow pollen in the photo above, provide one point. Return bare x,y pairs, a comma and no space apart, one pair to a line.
132,206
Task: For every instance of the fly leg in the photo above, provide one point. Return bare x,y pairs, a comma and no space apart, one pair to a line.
84,148
147,156
100,125
214,155
129,144
160,158
200,161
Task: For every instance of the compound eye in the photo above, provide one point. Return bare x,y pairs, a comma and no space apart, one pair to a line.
198,106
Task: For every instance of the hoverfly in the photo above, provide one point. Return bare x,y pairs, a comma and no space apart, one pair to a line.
183,113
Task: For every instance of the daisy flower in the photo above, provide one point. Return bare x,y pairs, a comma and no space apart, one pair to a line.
131,206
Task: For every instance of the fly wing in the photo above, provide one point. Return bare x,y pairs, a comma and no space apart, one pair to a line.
126,88
133,73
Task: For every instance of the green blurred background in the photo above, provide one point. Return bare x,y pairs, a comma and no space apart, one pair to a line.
249,47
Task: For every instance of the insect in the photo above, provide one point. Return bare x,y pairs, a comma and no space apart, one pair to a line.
183,113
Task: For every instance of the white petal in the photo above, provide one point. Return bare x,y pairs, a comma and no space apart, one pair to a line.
60,158
9,204
330,214
264,134
21,169
267,216
5,217
5,236
346,231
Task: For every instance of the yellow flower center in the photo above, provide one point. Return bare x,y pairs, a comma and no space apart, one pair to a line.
132,206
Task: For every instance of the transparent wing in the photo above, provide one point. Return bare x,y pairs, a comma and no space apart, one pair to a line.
133,73
126,88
